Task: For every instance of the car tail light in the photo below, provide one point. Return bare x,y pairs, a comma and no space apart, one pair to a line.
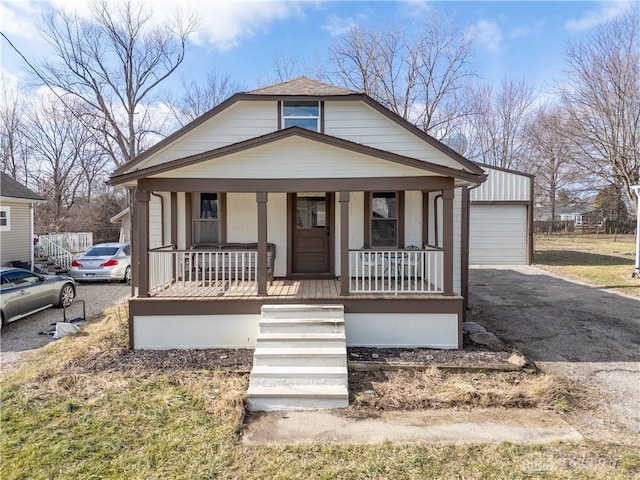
109,263
76,264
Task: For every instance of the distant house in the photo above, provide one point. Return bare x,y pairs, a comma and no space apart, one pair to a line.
17,203
579,215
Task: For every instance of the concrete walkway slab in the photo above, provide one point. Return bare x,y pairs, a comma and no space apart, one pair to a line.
431,426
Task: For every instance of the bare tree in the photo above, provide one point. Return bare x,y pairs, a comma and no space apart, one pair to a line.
601,94
498,121
420,76
14,152
200,98
58,142
552,154
113,63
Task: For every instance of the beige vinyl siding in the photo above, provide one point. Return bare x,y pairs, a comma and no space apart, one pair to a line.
16,244
502,186
358,122
277,230
241,121
295,157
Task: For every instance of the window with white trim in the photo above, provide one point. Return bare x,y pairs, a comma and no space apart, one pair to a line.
304,114
206,227
384,219
5,219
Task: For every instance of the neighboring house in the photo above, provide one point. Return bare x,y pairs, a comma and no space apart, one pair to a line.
124,219
17,203
501,218
579,215
299,193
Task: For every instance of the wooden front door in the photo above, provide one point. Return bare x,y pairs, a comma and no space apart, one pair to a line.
311,224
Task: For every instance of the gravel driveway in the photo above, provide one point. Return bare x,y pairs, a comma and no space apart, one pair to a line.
23,335
580,332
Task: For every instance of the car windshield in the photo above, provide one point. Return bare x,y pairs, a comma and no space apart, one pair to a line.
101,252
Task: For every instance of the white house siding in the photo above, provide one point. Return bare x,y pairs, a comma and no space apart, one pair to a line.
277,230
16,244
242,218
165,332
502,186
159,220
358,122
430,330
498,235
413,218
241,121
295,157
356,224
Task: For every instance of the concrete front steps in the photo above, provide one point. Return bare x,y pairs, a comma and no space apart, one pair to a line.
300,359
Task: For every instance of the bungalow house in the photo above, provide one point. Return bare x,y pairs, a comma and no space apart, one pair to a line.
17,204
298,200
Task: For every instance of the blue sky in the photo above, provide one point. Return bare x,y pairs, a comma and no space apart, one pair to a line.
512,39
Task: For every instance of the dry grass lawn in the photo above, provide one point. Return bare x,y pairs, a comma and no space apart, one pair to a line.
604,261
65,415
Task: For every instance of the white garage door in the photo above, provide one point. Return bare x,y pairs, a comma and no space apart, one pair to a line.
497,234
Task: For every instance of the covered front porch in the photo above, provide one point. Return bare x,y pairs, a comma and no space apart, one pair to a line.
421,261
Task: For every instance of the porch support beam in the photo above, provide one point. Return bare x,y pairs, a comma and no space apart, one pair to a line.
447,239
261,199
141,223
345,273
174,219
293,185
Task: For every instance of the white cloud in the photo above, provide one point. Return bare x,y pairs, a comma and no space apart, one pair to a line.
222,23
488,34
608,11
338,26
526,30
19,19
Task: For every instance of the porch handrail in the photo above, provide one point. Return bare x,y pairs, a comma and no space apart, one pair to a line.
202,273
397,271
74,242
55,252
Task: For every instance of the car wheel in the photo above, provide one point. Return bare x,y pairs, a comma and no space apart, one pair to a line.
67,294
127,276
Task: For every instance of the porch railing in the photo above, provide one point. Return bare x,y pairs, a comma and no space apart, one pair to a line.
397,271
202,273
74,242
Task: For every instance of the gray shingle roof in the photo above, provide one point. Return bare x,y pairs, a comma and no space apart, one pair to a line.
302,86
11,188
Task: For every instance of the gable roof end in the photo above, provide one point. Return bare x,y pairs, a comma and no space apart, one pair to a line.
11,188
304,133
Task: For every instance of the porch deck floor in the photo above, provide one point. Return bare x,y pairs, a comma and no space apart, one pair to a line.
278,289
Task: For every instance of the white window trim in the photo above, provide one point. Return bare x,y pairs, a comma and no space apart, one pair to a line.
7,227
303,117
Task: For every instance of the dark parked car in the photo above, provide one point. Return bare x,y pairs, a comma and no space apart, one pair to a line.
23,292
104,261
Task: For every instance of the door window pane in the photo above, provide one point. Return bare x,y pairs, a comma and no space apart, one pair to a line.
311,212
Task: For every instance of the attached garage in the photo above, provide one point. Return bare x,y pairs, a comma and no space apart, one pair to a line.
500,219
